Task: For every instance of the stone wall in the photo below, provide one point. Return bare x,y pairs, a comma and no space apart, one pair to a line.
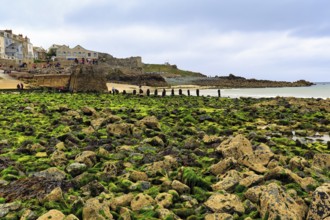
7,62
52,80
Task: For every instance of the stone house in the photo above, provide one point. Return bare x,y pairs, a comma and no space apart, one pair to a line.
65,52
39,53
15,47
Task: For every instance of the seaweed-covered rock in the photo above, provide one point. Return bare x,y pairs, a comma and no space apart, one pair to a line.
320,205
52,173
149,122
52,214
54,196
86,157
180,187
228,203
87,110
275,202
164,200
298,163
138,176
120,130
142,201
235,147
223,166
321,161
121,201
219,216
76,168
58,158
94,209
227,181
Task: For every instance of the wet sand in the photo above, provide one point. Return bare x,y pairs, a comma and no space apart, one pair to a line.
8,82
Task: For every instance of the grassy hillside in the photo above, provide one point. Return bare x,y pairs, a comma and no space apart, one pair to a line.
169,70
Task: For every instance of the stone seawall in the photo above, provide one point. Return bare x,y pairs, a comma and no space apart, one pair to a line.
52,80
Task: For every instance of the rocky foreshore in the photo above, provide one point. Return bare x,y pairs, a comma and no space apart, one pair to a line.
101,156
233,81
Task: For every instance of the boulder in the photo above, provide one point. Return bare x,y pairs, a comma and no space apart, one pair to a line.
142,201
94,210
164,200
250,179
235,147
54,196
86,110
253,163
58,158
138,176
121,201
71,217
320,205
222,166
219,216
274,202
298,163
76,168
150,122
263,154
228,181
166,214
9,207
180,187
52,173
228,203
52,214
120,130
86,157
96,123
321,161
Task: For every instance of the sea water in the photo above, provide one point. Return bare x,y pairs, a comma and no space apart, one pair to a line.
319,90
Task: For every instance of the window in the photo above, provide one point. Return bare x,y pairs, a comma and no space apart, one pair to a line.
89,54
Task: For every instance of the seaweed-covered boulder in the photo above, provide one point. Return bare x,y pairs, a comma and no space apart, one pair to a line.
320,205
52,214
121,201
86,157
222,166
321,161
94,209
149,122
235,147
120,130
142,201
227,181
54,196
164,200
180,187
228,203
9,207
58,158
274,202
52,173
87,110
219,216
298,163
138,176
76,168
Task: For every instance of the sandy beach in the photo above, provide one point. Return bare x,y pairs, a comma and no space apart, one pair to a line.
8,82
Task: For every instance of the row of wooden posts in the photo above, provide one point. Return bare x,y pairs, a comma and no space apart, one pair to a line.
115,91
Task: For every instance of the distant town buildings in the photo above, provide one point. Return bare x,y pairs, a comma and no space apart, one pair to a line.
65,52
19,49
15,47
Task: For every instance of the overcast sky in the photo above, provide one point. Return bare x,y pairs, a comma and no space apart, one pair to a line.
277,40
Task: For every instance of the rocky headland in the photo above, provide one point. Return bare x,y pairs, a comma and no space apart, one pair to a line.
101,156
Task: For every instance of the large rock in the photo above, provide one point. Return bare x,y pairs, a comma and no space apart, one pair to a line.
120,130
223,166
94,210
149,122
321,161
76,168
51,173
180,187
219,216
87,157
276,203
235,147
58,158
142,201
228,181
164,200
121,201
54,196
228,203
320,206
138,176
88,78
52,214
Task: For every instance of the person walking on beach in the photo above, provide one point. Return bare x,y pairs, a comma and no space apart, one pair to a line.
22,86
